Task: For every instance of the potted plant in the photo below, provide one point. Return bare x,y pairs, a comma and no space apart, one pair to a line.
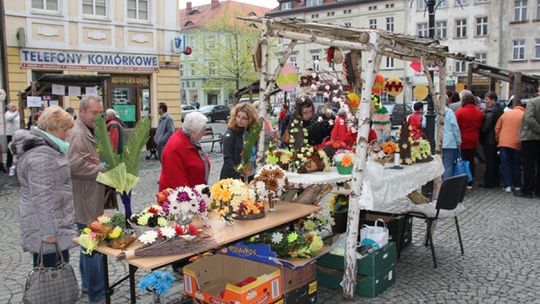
343,159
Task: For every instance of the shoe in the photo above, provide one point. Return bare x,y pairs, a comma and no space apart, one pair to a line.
507,189
523,194
469,187
517,189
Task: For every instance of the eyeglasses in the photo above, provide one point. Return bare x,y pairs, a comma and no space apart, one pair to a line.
242,117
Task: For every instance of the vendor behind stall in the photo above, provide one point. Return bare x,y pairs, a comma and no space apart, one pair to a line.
304,124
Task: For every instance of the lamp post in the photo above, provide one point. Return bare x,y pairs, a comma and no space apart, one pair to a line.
430,115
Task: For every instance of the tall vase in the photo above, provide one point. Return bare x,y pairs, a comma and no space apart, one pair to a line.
126,200
271,203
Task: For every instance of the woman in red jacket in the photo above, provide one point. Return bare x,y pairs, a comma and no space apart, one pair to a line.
184,162
469,119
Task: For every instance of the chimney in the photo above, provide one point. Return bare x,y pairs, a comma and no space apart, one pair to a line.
188,7
215,3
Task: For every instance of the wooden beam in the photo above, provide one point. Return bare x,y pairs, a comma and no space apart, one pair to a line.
493,75
469,76
322,40
517,87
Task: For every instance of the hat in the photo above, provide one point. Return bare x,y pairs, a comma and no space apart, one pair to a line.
110,112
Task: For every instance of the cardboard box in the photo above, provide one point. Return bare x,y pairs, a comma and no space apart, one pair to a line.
370,265
261,252
366,286
306,294
214,280
394,223
296,278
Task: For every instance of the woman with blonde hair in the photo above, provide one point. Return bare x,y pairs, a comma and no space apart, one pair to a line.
47,214
243,118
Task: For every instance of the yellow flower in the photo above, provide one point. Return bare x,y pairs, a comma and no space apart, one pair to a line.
162,222
316,244
310,225
292,237
116,233
86,230
87,243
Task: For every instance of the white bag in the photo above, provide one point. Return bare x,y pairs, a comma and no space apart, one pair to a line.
377,235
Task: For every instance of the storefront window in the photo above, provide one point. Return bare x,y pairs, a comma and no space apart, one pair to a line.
130,98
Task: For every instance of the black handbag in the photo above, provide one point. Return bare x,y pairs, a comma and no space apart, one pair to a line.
51,284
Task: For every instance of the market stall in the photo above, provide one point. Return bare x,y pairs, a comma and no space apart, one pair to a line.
367,47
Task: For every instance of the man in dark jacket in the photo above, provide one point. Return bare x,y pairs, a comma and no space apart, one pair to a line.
165,128
488,141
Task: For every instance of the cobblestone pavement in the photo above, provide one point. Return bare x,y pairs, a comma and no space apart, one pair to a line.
501,235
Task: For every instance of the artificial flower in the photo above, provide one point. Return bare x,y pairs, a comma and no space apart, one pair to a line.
116,233
277,237
167,232
88,243
162,222
143,219
293,236
159,282
148,237
310,225
316,243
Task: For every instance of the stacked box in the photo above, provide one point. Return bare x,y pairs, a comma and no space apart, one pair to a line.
376,271
306,294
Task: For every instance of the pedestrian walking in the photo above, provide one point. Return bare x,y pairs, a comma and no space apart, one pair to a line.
12,118
530,149
469,119
489,142
88,194
164,130
115,129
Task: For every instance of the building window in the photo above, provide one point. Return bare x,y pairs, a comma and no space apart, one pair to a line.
389,62
372,8
372,23
461,67
518,49
286,5
316,62
481,57
330,13
95,7
442,3
138,10
461,2
537,48
314,16
422,29
389,5
193,68
211,68
421,5
461,28
313,2
46,5
390,24
538,9
347,11
440,29
481,26
348,24
520,10
181,69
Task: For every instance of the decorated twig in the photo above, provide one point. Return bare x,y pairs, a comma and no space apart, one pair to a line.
171,247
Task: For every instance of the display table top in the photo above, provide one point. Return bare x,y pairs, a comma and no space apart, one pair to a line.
222,233
331,176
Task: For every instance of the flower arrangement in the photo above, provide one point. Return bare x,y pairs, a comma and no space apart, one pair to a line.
185,201
158,282
151,217
269,182
289,243
104,227
420,151
332,146
344,160
280,157
338,203
298,135
188,232
318,222
226,197
308,159
412,150
389,147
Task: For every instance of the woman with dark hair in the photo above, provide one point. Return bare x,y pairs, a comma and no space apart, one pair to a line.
302,118
243,118
469,119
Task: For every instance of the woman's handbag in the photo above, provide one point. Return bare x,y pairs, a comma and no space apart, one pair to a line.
374,236
462,166
51,284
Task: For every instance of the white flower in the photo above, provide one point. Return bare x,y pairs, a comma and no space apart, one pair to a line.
277,237
334,80
168,232
314,86
148,237
319,119
327,87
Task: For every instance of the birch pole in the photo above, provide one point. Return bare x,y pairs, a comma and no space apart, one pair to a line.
265,95
263,82
440,109
363,115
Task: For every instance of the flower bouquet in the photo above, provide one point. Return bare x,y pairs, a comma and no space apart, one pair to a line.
307,159
231,199
185,202
280,157
290,244
330,147
106,227
269,184
413,150
343,159
148,219
378,154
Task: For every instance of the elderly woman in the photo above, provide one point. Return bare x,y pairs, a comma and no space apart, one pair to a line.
183,161
243,118
46,207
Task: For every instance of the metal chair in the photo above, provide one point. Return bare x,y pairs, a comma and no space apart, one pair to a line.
448,204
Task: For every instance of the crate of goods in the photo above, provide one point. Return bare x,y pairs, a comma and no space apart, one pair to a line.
226,279
366,286
394,224
305,294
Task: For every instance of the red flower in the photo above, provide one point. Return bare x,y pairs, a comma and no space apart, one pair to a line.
152,210
193,230
159,234
179,230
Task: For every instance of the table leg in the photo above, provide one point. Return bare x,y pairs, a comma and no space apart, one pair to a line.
132,270
106,279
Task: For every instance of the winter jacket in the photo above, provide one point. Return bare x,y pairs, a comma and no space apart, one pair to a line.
164,130
341,132
233,143
508,127
46,200
469,119
530,129
415,122
181,163
12,122
451,133
491,116
88,194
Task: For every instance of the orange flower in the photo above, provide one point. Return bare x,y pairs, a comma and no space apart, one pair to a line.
346,161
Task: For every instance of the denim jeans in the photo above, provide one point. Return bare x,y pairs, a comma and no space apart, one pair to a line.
449,157
491,176
92,273
511,167
50,259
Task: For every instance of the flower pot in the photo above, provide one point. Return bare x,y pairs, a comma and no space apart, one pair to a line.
344,170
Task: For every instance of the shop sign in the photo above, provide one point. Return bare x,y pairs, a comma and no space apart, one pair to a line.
95,61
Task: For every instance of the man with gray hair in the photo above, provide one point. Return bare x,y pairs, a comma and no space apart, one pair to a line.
88,194
456,105
164,130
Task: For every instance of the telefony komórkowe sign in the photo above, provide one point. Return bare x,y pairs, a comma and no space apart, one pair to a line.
94,61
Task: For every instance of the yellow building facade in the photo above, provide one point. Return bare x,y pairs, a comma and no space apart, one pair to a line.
131,43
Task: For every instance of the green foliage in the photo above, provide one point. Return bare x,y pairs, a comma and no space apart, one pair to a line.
118,219
250,140
103,143
132,151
